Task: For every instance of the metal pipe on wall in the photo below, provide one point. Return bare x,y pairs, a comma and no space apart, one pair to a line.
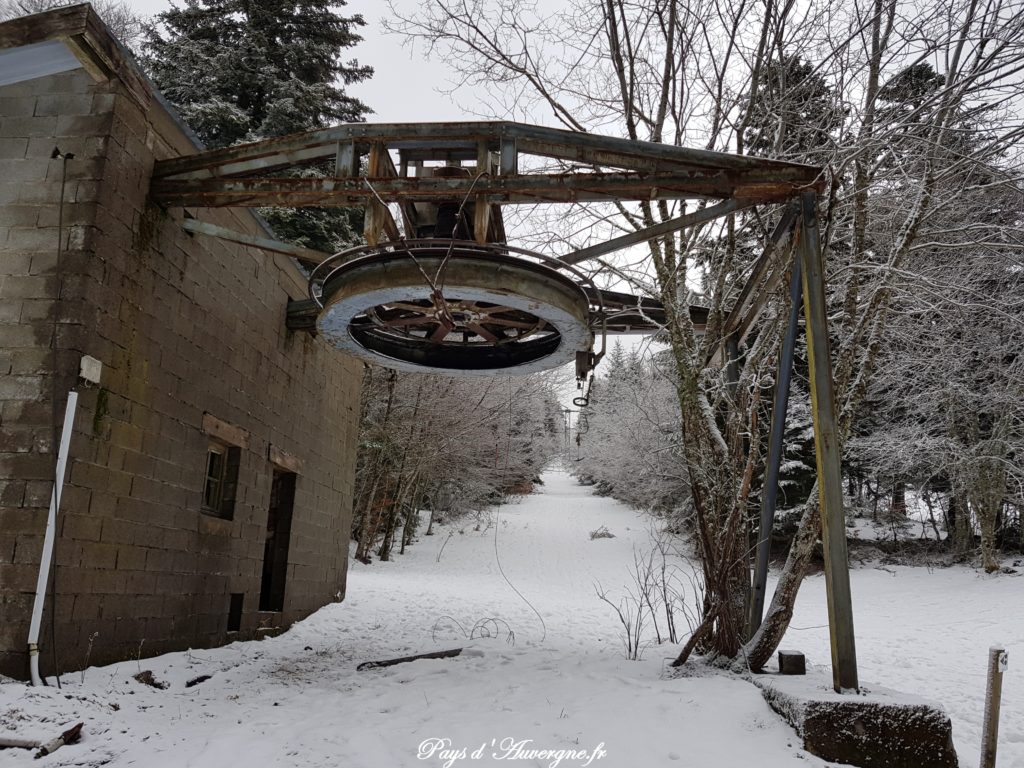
49,538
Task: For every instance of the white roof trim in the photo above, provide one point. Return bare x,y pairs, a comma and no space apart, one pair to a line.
36,60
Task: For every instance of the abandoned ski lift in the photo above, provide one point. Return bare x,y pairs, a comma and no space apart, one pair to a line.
438,289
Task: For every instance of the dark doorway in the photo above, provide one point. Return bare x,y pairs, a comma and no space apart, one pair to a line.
275,551
235,611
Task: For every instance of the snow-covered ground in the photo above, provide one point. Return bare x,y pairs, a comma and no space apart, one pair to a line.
297,700
917,522
927,632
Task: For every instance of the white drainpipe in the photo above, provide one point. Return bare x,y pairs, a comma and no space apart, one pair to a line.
51,532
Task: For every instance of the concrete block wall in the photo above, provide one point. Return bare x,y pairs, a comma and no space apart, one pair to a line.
184,326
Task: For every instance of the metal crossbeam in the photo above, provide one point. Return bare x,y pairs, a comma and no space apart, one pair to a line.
463,139
739,319
530,189
307,256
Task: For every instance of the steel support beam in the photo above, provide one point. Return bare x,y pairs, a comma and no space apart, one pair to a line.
462,138
378,223
770,488
702,216
827,451
296,192
307,256
482,208
782,231
758,289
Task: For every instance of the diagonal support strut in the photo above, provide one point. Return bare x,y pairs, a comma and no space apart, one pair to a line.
702,216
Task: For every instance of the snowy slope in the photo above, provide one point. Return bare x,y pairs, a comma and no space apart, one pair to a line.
296,700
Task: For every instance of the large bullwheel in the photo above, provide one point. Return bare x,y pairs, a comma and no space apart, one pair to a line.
466,310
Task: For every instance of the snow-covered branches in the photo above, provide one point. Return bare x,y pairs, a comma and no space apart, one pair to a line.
628,438
448,446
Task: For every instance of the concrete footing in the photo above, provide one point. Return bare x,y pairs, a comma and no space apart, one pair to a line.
875,728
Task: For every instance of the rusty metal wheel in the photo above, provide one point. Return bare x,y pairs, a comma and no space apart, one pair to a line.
466,310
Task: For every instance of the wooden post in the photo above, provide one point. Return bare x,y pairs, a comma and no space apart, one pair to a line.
346,160
990,727
826,448
770,487
508,162
373,211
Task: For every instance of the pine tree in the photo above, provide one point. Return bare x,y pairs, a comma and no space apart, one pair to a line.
245,70
795,112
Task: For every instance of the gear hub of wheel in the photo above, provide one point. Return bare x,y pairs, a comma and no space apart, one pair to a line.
453,308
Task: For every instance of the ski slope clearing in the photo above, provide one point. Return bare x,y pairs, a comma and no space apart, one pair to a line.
563,686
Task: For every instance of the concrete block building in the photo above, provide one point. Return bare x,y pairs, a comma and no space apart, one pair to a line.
210,473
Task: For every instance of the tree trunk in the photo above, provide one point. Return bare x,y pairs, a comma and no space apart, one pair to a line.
899,499
766,639
990,486
411,516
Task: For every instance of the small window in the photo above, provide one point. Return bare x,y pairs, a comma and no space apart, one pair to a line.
221,483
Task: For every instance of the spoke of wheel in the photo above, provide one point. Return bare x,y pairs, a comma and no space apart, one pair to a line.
479,330
442,331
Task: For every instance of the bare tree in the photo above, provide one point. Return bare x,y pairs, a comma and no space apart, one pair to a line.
809,83
948,405
446,445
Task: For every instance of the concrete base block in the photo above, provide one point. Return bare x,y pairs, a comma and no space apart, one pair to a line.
876,728
792,663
